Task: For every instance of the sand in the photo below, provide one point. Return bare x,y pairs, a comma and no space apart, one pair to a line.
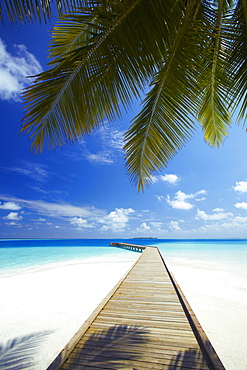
42,308
219,300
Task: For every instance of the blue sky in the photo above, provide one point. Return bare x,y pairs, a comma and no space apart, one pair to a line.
83,191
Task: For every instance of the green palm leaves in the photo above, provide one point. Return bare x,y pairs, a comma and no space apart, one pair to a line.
165,122
99,66
25,11
214,115
192,54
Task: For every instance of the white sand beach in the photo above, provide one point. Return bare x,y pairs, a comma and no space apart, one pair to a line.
219,300
43,308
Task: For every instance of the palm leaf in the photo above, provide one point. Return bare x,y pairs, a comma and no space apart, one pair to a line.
165,122
214,114
26,11
104,55
100,63
237,61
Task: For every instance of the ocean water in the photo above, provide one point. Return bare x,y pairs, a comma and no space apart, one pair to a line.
17,254
230,255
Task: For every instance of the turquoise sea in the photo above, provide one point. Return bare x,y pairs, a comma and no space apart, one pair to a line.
225,254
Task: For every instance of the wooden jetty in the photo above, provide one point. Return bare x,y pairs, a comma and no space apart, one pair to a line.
144,323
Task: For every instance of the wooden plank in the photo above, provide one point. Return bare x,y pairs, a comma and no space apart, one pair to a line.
109,320
150,349
174,320
90,353
177,343
118,363
124,358
142,325
63,355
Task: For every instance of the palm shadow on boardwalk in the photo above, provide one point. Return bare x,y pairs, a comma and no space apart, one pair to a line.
107,349
189,359
127,347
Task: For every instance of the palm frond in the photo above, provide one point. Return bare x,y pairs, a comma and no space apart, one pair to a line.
101,61
106,53
165,122
29,11
214,115
237,61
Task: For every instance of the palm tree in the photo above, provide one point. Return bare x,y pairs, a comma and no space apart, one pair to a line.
187,56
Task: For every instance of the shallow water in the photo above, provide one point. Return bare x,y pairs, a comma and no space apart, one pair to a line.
21,254
220,255
225,255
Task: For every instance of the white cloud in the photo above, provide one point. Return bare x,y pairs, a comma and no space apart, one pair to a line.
13,216
39,219
218,210
159,197
110,142
156,225
80,217
203,191
115,139
170,178
80,222
110,137
240,219
100,158
14,70
200,199
174,226
154,179
241,186
11,206
116,220
216,216
33,170
231,227
143,227
242,205
57,210
180,199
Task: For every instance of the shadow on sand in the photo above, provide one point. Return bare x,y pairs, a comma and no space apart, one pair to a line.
19,353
